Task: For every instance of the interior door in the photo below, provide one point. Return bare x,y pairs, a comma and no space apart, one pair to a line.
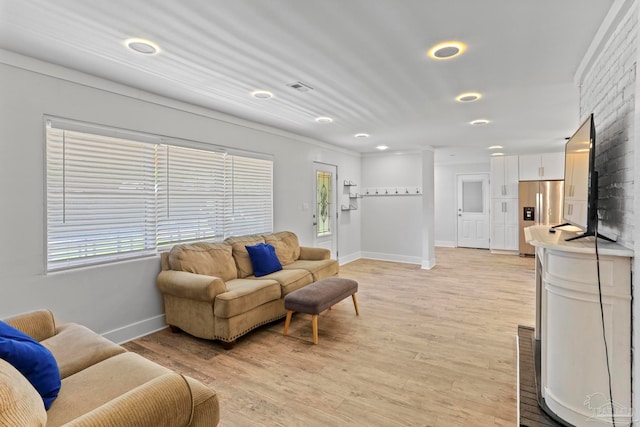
473,211
325,214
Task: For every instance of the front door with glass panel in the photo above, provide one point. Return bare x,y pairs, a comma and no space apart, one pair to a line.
473,211
325,213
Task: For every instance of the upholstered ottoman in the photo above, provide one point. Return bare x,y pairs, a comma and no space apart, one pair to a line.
317,297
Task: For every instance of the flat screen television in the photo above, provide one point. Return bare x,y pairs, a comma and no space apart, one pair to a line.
580,205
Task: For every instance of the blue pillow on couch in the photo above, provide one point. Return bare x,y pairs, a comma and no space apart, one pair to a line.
33,360
263,259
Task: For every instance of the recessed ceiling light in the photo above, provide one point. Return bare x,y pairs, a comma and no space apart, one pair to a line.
382,147
447,50
495,147
468,97
361,135
479,122
324,119
262,94
497,154
143,46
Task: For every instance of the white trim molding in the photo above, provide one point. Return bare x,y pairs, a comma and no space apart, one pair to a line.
616,14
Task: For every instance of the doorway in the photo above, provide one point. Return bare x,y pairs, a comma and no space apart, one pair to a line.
473,211
325,214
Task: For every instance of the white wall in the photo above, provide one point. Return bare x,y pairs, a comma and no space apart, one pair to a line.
120,300
608,88
446,202
608,91
392,225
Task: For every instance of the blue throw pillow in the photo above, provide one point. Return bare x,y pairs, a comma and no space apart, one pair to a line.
263,259
33,360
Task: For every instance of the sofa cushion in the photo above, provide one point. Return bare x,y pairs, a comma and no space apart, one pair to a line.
319,268
76,347
209,259
101,383
32,359
20,403
286,245
263,259
240,254
291,279
244,295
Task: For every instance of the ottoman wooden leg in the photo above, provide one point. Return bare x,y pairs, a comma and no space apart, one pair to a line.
287,321
314,326
355,304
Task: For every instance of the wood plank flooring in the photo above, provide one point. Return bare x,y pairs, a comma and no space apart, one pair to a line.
430,348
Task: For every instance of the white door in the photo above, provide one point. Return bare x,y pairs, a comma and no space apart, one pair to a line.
325,214
473,211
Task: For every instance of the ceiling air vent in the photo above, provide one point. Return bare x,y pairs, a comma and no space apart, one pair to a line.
300,87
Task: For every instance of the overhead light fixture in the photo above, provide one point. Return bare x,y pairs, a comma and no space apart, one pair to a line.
495,147
468,97
382,147
324,119
361,135
497,154
262,94
146,47
447,50
479,122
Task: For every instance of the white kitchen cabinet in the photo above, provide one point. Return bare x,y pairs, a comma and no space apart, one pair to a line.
504,176
572,286
504,204
504,224
536,167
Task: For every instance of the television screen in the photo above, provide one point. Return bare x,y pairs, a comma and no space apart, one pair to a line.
577,178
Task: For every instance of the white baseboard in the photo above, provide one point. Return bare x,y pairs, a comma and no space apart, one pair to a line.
445,243
428,264
392,257
136,330
349,258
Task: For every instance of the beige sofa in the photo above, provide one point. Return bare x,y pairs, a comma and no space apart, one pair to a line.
210,291
102,384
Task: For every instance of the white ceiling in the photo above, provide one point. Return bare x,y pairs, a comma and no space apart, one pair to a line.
365,59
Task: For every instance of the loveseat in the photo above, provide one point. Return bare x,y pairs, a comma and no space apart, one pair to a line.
102,384
210,289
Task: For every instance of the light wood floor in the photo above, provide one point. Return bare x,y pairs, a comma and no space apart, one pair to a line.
430,348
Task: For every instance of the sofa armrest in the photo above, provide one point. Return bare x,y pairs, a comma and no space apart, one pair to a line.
38,324
314,254
163,401
190,285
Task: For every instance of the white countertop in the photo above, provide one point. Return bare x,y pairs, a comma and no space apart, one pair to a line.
539,236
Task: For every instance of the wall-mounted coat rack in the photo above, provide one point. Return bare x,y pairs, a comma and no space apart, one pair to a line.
393,191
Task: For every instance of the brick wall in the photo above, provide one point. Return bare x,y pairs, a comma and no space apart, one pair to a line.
608,90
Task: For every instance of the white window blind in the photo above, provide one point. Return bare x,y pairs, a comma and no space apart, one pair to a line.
114,195
191,195
251,196
100,198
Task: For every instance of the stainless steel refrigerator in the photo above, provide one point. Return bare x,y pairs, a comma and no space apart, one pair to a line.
540,204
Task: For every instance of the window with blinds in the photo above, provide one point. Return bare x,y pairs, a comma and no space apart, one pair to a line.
115,195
